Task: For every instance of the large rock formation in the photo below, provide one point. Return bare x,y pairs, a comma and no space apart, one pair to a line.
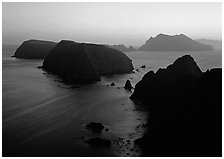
185,108
34,49
181,74
85,63
121,48
180,42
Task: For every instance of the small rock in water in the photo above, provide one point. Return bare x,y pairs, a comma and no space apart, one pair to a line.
128,85
95,127
143,66
112,84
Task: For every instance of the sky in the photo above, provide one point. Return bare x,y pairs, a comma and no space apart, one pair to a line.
111,23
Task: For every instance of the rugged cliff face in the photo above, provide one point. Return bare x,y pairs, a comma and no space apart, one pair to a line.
179,76
34,49
180,42
84,63
185,108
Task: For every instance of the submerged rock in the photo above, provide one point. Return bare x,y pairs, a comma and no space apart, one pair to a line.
98,143
95,127
34,49
85,63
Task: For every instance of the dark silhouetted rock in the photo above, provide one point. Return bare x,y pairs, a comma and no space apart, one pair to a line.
85,63
180,75
185,108
112,84
180,42
143,66
34,49
98,143
128,85
121,48
95,127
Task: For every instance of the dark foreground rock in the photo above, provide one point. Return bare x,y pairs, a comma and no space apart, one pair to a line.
185,108
128,85
180,42
34,49
85,63
98,143
95,127
180,76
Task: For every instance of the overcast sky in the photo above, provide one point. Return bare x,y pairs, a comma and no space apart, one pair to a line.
113,23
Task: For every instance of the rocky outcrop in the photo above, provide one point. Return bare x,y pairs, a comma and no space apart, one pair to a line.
181,75
185,108
128,85
180,42
34,49
121,48
85,63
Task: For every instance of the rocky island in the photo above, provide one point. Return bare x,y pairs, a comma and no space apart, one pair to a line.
185,106
81,63
163,42
34,49
121,48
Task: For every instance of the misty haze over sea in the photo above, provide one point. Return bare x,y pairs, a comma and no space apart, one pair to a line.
46,112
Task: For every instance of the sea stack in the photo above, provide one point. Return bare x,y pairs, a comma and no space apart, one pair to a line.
34,49
180,42
82,63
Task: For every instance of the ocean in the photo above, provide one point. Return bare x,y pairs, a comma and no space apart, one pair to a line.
42,116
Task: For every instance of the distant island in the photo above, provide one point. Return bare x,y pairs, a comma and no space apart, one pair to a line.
34,49
180,42
121,48
216,44
82,63
39,49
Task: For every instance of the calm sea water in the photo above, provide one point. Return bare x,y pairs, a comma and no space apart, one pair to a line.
42,115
